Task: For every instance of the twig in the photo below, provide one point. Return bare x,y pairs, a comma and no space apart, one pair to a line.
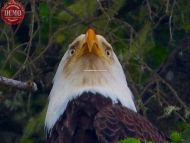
133,33
51,40
167,6
29,45
147,87
174,93
149,9
170,22
78,17
7,38
28,85
10,54
103,11
159,21
159,78
175,112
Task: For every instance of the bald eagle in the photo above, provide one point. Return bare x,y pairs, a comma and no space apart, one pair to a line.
90,101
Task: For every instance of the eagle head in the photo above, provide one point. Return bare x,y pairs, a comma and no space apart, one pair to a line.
89,65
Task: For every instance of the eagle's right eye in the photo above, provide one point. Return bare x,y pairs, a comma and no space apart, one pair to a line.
71,52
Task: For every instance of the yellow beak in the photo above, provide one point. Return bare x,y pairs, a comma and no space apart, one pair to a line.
91,45
91,39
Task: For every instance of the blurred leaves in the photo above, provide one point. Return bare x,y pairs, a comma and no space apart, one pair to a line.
181,132
130,140
59,38
156,56
175,137
133,140
34,126
44,11
141,43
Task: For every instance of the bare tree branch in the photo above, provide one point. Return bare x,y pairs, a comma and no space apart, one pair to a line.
28,85
149,9
170,22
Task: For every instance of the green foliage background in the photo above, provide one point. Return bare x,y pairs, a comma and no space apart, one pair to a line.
143,33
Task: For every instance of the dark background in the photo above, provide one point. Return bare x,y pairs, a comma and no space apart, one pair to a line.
150,37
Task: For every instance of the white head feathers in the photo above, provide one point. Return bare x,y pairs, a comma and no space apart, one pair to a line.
81,75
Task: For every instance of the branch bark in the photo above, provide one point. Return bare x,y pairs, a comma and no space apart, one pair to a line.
28,85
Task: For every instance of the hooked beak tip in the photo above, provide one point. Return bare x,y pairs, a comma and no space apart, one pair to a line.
90,38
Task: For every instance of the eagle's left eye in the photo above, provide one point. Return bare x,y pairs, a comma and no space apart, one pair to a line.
108,52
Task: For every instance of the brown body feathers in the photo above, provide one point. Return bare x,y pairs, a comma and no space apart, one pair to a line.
93,118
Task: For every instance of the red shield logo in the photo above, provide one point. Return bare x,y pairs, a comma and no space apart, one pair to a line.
12,13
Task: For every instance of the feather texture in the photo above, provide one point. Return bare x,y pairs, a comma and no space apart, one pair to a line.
116,122
93,118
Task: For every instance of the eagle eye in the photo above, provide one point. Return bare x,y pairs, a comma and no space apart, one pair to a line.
108,52
71,52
